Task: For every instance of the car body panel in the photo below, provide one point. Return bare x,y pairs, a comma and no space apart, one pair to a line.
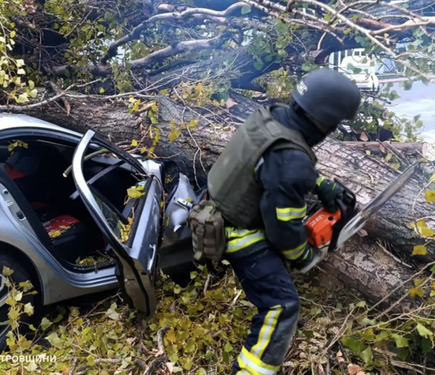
136,261
14,121
176,248
59,281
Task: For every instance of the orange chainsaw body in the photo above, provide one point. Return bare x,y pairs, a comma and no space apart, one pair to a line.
320,227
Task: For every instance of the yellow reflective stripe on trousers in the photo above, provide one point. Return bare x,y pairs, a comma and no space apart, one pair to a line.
266,331
295,253
291,213
243,242
253,365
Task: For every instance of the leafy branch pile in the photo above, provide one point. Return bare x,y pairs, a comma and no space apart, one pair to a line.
200,329
198,55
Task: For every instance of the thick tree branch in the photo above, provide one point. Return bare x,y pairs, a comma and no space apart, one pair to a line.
149,60
408,24
264,8
345,20
170,51
174,16
23,108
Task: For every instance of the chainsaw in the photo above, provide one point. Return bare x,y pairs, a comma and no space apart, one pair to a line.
328,231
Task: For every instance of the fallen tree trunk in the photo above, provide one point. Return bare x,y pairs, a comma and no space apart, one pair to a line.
407,148
374,265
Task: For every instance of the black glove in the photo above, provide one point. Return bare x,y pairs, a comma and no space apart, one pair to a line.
328,192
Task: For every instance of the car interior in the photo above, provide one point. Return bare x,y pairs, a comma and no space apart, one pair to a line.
33,172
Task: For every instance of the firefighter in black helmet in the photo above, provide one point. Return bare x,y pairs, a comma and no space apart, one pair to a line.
259,183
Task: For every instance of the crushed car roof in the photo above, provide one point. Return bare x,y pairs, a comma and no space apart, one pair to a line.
10,121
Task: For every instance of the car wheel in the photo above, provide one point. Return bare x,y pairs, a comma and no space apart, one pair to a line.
20,274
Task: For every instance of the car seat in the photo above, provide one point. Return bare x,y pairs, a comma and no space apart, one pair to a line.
64,235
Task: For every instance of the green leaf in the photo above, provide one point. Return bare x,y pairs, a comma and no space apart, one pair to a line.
353,344
21,72
363,41
430,196
188,363
28,309
111,313
33,93
407,85
22,98
20,63
32,328
367,355
193,123
173,357
170,335
7,271
308,67
414,292
401,342
101,90
54,340
394,95
246,9
384,335
426,345
90,359
368,335
32,366
134,192
190,347
228,347
58,318
258,65
427,232
13,313
433,269
419,250
45,323
423,331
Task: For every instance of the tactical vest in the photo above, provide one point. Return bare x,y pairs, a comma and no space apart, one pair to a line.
231,180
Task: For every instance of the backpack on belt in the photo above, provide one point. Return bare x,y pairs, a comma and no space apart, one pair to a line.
208,231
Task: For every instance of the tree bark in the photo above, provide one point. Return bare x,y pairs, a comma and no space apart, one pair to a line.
374,265
406,148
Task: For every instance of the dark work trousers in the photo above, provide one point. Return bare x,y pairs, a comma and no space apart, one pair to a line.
268,286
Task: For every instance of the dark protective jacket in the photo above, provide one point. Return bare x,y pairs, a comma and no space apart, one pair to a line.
231,181
284,177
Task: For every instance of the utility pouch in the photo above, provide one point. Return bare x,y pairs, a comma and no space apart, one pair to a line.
208,231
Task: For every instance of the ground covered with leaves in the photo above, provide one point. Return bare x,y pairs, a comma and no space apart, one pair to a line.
200,329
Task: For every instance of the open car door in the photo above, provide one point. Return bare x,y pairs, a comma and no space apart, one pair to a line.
136,252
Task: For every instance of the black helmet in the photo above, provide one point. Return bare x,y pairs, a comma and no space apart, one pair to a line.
327,97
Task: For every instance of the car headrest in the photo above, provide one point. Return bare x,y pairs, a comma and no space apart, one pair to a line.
24,160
